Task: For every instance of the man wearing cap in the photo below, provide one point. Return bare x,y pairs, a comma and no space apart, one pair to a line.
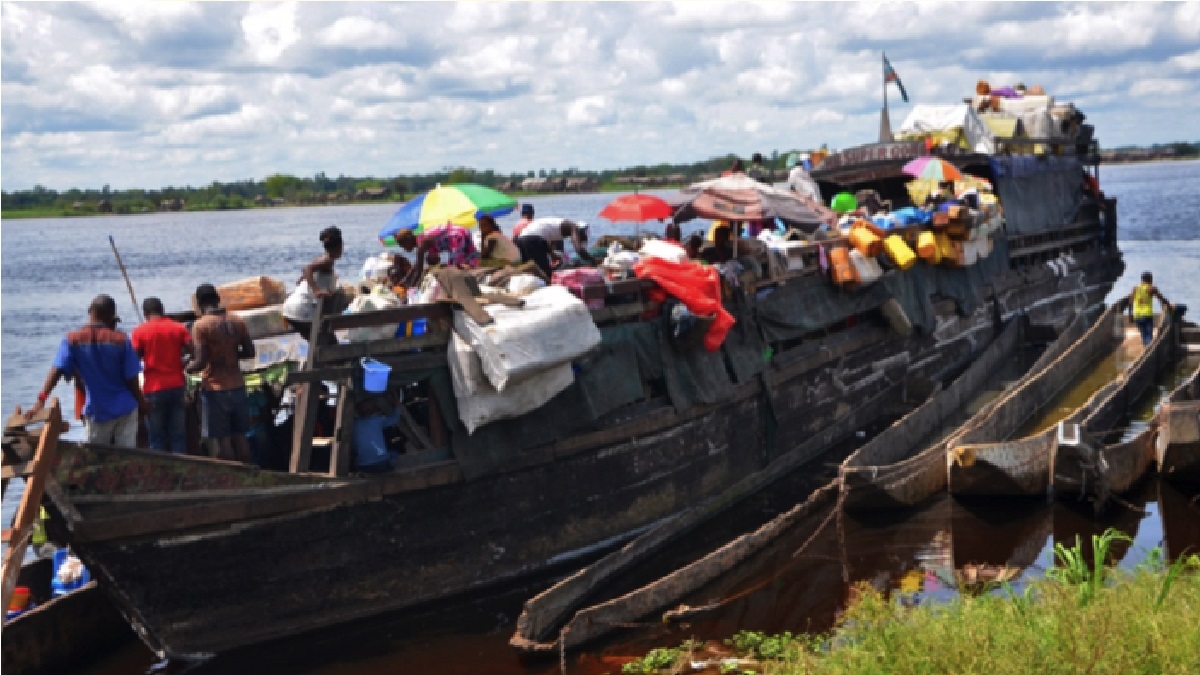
221,341
526,219
103,358
541,238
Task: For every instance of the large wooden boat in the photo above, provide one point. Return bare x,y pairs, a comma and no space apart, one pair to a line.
1097,458
1011,451
203,556
1177,447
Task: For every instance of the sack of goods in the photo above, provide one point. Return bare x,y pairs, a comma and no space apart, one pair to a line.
376,267
577,279
478,401
379,298
552,328
264,321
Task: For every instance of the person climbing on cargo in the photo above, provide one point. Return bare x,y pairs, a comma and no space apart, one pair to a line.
757,171
496,249
542,241
1141,306
103,358
221,342
162,343
317,280
449,239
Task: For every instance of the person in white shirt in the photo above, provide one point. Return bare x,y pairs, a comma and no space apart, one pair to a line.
543,239
798,179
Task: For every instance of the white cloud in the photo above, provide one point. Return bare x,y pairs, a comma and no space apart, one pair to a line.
358,32
142,19
1160,87
270,29
588,111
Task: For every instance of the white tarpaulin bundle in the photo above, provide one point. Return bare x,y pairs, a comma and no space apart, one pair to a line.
478,401
552,328
925,119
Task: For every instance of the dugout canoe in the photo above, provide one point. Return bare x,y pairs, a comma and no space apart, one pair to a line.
1091,459
64,632
1177,448
986,459
904,465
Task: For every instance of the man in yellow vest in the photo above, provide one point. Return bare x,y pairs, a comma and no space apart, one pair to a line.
1141,306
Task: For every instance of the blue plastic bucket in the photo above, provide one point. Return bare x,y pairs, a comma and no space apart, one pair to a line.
375,375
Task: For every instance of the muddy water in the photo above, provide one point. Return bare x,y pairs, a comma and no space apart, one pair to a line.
1086,384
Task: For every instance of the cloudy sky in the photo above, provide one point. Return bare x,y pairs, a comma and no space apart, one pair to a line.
172,93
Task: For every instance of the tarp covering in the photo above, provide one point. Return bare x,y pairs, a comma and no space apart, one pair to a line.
1039,194
931,119
632,355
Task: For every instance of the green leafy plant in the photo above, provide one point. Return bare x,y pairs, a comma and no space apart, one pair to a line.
1071,566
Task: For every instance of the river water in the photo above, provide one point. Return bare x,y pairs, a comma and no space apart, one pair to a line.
52,268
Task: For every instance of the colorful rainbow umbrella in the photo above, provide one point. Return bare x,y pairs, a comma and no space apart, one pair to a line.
460,204
932,167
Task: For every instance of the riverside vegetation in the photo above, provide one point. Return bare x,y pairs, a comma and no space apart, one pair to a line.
1083,617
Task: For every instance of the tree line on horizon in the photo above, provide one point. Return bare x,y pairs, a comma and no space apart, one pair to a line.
319,188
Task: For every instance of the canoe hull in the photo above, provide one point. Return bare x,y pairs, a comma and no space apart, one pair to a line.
1178,446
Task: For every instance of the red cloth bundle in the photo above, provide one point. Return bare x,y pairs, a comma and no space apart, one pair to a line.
697,286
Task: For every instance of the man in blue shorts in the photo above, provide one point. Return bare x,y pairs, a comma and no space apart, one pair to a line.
221,341
104,360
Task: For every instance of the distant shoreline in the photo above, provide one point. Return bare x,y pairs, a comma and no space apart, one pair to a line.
57,213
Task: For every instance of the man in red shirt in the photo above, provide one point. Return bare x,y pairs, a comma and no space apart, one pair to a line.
162,344
222,341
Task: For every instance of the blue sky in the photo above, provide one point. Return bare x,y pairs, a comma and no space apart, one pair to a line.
153,94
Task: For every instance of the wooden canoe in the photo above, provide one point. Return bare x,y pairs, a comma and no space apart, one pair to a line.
1177,449
901,467
1089,466
985,459
63,632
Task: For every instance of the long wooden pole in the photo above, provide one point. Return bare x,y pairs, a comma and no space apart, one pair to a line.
125,274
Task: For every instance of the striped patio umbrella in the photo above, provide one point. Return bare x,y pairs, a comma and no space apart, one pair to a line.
932,167
460,204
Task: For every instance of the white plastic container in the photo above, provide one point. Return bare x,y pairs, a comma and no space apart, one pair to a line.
868,269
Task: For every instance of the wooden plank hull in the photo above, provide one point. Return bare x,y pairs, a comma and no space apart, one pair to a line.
64,633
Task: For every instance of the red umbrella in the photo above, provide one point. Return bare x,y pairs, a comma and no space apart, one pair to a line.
637,207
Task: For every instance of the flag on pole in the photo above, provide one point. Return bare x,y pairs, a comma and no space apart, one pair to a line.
889,75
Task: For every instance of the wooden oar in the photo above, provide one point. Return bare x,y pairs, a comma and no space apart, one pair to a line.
137,308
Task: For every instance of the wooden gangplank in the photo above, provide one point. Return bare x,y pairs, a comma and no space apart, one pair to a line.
36,471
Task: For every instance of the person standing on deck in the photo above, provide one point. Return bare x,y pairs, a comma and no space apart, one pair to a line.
526,219
103,358
1141,306
162,343
317,280
221,341
757,171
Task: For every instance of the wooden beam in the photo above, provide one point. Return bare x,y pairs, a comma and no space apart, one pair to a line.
18,470
161,522
305,414
343,434
432,358
383,317
31,499
437,426
357,350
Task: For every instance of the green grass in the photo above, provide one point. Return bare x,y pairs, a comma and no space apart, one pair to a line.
1082,618
40,212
